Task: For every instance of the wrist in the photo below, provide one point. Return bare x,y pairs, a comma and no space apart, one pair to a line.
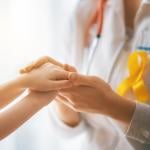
16,84
35,100
22,81
121,108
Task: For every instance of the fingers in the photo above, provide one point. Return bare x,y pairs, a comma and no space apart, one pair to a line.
69,68
57,85
61,75
40,62
79,79
35,64
27,69
55,62
83,80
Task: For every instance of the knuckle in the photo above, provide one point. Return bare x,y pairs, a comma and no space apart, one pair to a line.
65,66
55,71
48,66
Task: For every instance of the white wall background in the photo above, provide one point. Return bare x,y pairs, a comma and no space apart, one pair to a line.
30,29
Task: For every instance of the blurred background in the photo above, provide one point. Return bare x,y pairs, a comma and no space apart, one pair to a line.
30,29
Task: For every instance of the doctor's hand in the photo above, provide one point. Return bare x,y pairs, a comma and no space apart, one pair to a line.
91,94
47,77
73,118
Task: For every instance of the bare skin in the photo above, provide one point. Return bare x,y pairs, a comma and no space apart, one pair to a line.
104,100
46,81
101,98
129,19
14,117
73,97
73,119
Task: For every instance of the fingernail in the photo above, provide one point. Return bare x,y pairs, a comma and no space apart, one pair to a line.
72,76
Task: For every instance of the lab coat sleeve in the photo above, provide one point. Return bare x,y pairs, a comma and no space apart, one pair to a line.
63,129
139,128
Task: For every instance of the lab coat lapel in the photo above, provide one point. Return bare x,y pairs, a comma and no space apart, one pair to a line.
142,26
112,40
114,30
83,13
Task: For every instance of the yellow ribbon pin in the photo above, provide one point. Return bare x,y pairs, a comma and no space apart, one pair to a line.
136,65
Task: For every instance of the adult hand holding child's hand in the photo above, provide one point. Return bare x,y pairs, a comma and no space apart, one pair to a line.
44,75
73,118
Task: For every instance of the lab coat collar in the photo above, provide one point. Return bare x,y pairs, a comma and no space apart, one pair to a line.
143,12
114,23
114,30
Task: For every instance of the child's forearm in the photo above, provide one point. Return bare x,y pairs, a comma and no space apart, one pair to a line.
9,91
13,118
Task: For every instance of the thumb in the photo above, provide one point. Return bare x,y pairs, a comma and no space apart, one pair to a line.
58,85
78,79
61,75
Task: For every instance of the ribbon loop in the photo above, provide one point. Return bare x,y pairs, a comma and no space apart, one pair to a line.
136,66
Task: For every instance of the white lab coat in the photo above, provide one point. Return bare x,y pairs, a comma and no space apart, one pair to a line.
110,63
45,131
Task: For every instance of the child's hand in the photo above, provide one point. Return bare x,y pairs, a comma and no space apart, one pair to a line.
41,61
42,98
46,78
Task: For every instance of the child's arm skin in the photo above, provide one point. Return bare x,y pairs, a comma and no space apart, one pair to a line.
42,79
46,80
9,91
73,118
15,116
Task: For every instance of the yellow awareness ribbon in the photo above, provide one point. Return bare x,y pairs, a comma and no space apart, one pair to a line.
134,82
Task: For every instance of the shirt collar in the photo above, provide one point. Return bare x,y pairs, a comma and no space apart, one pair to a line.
143,12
